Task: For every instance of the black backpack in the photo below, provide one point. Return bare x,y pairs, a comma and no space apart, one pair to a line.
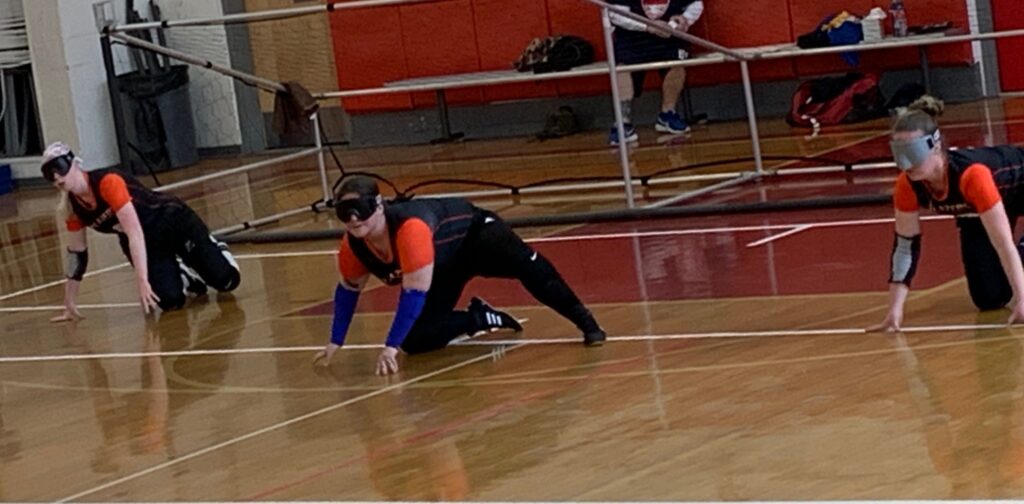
555,54
560,124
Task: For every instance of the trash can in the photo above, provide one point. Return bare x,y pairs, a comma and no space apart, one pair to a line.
6,179
158,117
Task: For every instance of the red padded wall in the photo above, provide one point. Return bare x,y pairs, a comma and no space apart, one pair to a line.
503,29
374,46
1009,15
368,52
744,24
440,39
580,18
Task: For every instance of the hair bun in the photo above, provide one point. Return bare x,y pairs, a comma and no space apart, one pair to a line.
929,105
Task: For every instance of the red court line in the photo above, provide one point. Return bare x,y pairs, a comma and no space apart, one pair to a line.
820,260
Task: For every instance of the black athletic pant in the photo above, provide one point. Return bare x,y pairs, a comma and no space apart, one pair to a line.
183,234
491,250
633,47
986,280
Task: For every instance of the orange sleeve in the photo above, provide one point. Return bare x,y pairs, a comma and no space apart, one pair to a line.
903,196
114,191
978,187
350,267
73,223
415,243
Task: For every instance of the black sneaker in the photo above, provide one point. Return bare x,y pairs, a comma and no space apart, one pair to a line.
594,338
193,283
225,252
491,319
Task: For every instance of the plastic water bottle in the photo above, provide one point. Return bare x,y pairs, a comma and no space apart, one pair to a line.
898,13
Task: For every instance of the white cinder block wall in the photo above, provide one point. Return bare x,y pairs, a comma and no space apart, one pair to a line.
71,84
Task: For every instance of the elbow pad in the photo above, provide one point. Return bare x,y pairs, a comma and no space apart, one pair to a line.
76,264
906,252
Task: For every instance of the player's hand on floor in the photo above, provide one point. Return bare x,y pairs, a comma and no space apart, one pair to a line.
1016,313
323,357
70,314
147,297
892,323
387,361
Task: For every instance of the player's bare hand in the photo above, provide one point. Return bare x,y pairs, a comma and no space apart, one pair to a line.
322,358
892,323
387,361
682,24
150,301
70,314
1016,313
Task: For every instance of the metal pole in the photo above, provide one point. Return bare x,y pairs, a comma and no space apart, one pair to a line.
926,73
442,115
742,179
266,84
675,33
219,233
320,156
609,46
488,78
240,169
541,190
913,41
755,139
266,15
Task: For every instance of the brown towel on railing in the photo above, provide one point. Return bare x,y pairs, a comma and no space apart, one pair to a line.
292,109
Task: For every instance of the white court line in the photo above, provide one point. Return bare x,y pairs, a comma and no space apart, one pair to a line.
175,353
15,309
948,501
608,236
513,342
727,229
273,427
60,282
286,254
774,237
745,334
642,234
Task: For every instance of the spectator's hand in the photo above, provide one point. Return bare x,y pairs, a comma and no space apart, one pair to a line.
682,24
663,32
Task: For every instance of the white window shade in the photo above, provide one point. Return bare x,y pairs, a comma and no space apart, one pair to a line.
13,39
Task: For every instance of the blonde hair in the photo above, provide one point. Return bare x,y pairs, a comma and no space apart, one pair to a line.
921,115
63,209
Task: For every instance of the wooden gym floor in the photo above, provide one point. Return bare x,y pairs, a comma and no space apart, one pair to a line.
736,369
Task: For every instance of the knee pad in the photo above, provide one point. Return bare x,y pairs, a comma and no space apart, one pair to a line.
171,302
233,280
991,300
418,346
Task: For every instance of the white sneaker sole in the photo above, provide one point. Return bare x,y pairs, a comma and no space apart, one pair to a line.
634,138
665,129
